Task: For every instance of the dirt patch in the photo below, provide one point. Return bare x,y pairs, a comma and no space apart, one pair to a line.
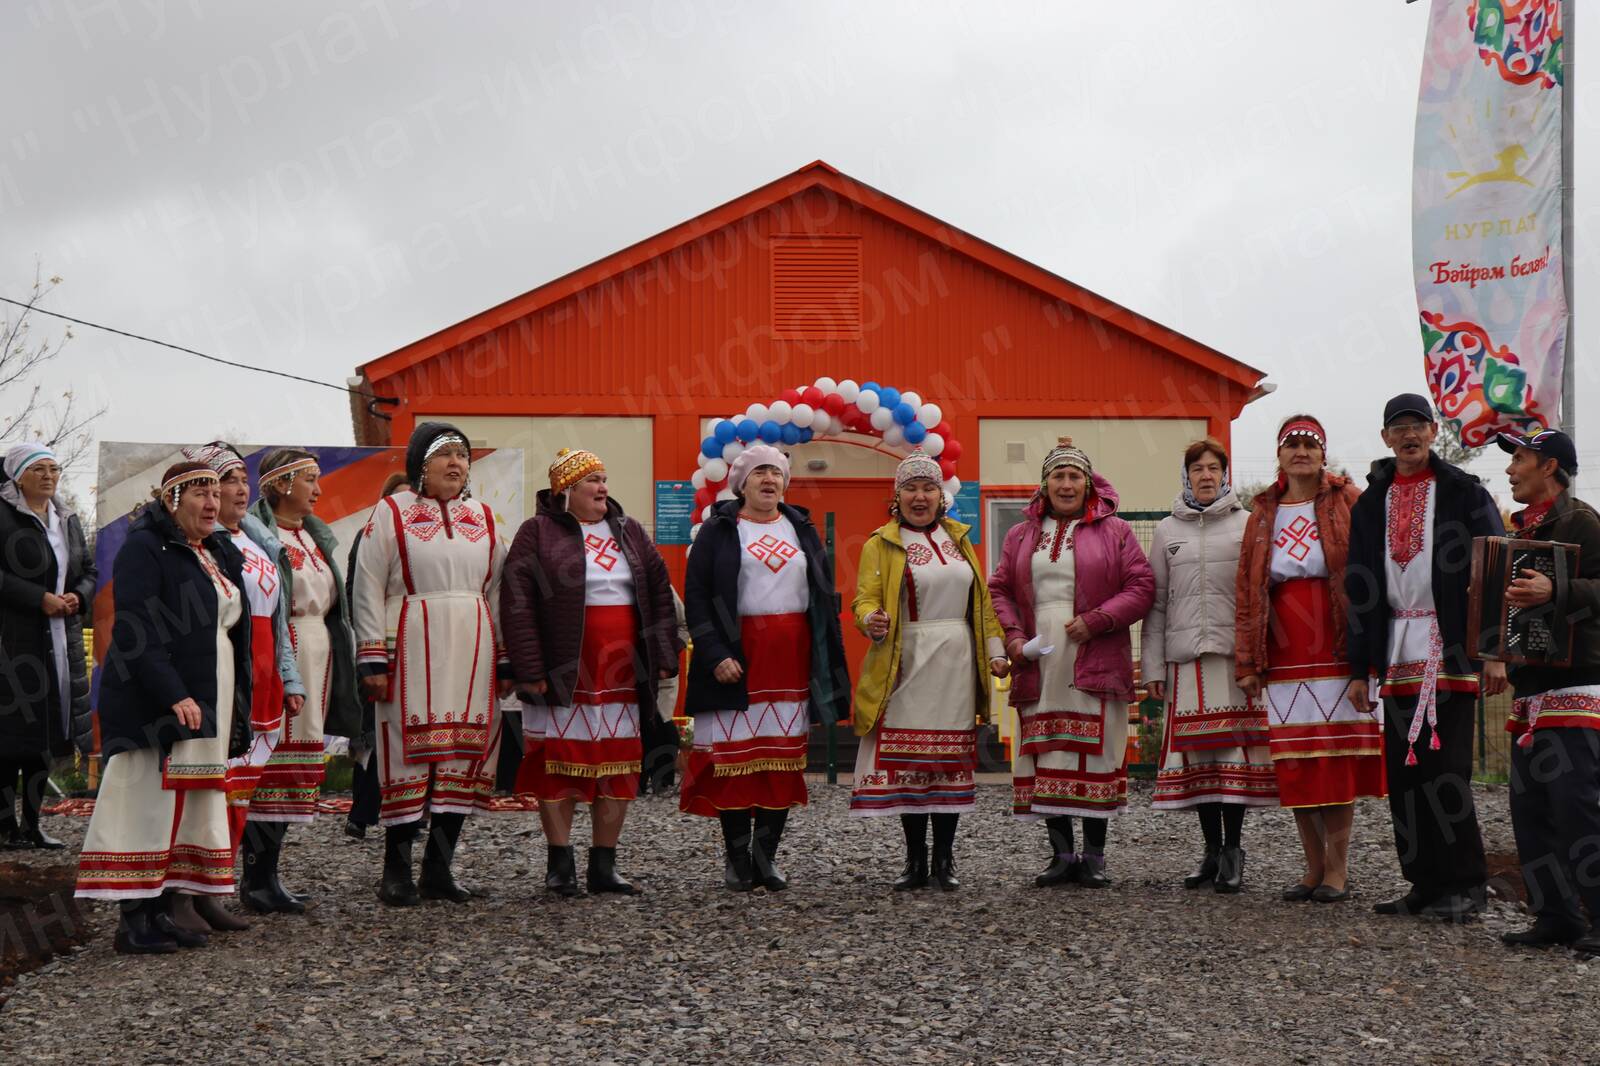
1505,876
39,918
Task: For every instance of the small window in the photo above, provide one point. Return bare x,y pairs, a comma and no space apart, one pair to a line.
816,287
1004,512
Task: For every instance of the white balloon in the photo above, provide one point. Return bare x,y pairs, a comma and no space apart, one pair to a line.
803,415
933,444
694,531
953,487
930,414
715,470
827,385
731,450
821,422
725,494
757,411
868,402
780,412
700,457
698,478
894,436
848,389
706,513
882,418
913,399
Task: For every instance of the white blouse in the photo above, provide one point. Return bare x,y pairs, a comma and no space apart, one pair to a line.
772,569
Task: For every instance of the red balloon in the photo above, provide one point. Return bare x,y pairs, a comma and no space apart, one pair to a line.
717,486
704,498
833,403
946,434
952,450
811,395
947,466
790,396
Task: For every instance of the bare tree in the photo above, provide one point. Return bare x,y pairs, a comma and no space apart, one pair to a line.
59,422
1447,445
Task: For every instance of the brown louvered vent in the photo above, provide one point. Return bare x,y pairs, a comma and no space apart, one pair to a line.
816,287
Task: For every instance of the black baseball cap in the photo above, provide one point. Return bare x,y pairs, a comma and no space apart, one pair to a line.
1548,443
1407,403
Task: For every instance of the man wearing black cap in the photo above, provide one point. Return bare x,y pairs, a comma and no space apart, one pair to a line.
1407,583
1555,763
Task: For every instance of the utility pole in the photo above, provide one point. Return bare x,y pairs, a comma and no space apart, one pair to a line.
1569,91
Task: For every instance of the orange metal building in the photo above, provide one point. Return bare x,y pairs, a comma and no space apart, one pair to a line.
813,275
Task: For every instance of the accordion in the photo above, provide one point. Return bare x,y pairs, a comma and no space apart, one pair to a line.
1497,630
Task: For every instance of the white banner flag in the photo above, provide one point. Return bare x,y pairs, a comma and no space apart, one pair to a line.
1486,214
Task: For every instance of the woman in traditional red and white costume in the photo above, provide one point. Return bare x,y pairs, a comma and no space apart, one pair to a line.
427,605
170,708
590,632
924,684
768,659
1290,642
1214,756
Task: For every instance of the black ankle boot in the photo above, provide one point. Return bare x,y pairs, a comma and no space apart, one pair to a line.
438,880
1091,871
944,868
261,892
561,871
135,933
397,888
738,872
288,902
1230,871
1206,872
161,922
602,873
764,850
915,873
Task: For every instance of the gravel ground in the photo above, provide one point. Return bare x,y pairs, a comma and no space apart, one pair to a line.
839,969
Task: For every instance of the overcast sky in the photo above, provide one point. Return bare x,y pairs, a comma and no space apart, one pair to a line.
312,184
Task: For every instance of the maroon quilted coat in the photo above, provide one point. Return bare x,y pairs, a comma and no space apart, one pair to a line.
542,602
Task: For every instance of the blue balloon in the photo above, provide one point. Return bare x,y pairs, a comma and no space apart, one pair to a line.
915,432
746,430
905,414
791,434
871,386
889,396
771,432
805,435
725,431
711,448
954,512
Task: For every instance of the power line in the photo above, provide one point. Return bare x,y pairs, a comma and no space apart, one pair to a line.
190,351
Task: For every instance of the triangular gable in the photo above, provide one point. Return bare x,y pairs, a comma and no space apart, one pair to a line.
816,174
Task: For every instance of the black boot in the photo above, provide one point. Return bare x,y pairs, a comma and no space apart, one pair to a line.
296,900
764,849
944,851
261,892
1063,858
561,871
1230,871
438,880
397,888
33,834
1207,870
602,873
738,872
915,874
136,935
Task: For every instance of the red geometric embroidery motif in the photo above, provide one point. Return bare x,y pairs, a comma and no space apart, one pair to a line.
919,554
467,521
266,575
950,550
421,521
1298,537
304,553
1408,515
774,552
603,550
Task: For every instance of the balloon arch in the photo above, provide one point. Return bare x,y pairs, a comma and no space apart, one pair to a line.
823,409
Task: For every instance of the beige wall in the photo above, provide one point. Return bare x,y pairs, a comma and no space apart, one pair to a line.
1140,456
625,445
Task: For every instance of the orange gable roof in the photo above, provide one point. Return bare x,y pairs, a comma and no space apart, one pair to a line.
814,174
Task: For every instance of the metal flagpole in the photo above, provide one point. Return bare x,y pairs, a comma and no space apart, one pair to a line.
1569,366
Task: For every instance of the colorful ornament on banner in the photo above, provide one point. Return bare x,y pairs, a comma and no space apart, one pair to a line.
826,408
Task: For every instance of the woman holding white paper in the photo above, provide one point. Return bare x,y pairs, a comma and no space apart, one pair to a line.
1071,579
